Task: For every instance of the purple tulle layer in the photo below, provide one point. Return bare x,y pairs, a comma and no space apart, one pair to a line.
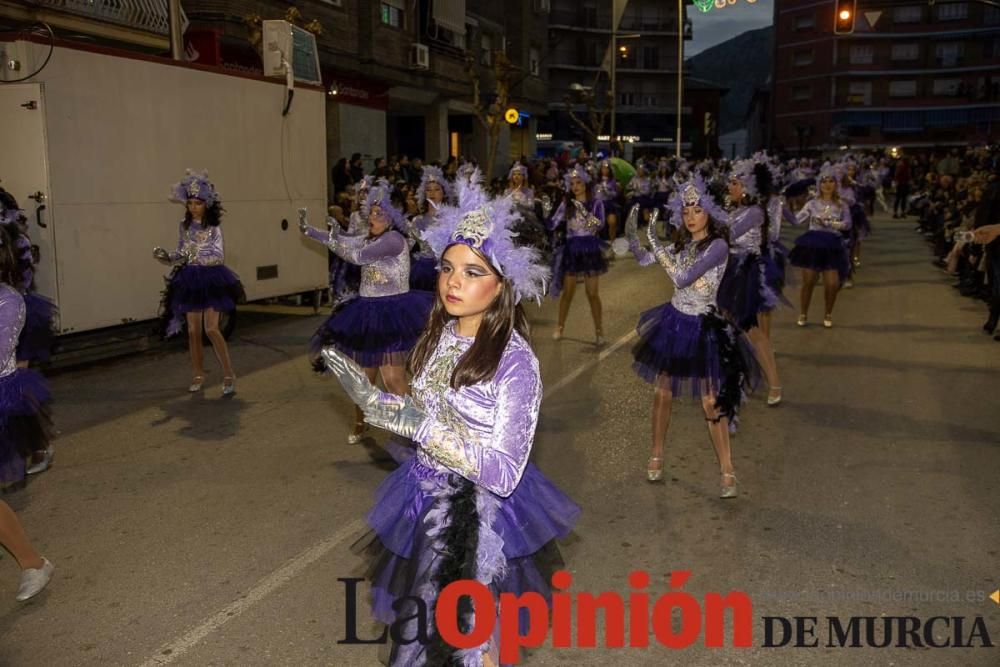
38,334
776,272
677,351
744,291
423,274
197,288
645,202
24,421
583,256
820,251
376,331
404,556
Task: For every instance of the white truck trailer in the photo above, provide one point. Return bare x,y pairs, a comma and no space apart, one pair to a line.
92,143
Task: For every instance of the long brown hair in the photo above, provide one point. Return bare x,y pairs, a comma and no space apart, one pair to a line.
480,362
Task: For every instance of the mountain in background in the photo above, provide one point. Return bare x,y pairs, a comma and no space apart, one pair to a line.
741,64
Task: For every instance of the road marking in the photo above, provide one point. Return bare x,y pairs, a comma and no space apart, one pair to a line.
272,582
614,347
177,647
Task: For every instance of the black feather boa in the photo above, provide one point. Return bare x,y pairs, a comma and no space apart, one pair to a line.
735,372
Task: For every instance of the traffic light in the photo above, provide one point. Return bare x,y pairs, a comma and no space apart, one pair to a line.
709,124
843,20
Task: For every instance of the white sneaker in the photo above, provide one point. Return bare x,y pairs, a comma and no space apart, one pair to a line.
34,580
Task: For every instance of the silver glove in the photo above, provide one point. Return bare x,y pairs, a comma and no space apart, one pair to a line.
161,255
352,378
303,221
546,206
632,224
398,415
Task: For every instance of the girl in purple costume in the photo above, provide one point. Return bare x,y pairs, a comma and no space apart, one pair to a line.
433,193
685,345
38,334
606,189
640,191
202,286
582,253
468,504
24,421
821,249
745,294
379,328
854,193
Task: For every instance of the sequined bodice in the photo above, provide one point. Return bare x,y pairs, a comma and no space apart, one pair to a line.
475,413
750,240
202,244
605,190
523,197
583,222
386,276
641,185
775,214
11,323
823,214
700,296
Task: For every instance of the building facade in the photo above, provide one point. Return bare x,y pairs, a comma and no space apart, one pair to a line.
911,74
645,98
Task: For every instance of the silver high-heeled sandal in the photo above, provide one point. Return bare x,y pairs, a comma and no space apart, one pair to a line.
774,400
228,386
557,334
654,474
729,491
196,383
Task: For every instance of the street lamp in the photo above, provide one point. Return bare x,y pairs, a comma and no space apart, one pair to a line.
615,49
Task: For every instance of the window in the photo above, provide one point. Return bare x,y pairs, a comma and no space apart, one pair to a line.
902,88
907,14
948,54
862,54
534,61
392,13
860,92
651,57
991,15
649,100
486,49
991,47
802,57
905,51
335,3
801,93
953,11
626,99
805,22
946,87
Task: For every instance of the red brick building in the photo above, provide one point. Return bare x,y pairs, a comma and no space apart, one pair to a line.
911,74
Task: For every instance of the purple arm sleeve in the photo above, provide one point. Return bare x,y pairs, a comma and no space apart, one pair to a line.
390,244
716,254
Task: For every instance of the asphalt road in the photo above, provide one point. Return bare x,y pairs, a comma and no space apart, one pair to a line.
192,530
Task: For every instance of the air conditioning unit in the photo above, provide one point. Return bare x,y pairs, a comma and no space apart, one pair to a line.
420,57
543,6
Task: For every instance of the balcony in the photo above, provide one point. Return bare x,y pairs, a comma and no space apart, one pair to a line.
144,22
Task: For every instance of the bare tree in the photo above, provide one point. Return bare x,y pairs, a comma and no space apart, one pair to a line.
593,124
491,116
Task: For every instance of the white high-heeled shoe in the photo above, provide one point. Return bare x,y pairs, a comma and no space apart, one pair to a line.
729,491
34,580
654,474
774,400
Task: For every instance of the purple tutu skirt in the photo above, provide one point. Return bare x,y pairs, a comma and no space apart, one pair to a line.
376,331
744,291
698,355
25,424
409,544
423,274
645,202
820,251
38,334
195,288
584,256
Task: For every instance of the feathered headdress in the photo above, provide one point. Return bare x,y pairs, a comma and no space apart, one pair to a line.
829,171
381,195
194,185
518,168
693,193
743,171
576,172
487,226
432,174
